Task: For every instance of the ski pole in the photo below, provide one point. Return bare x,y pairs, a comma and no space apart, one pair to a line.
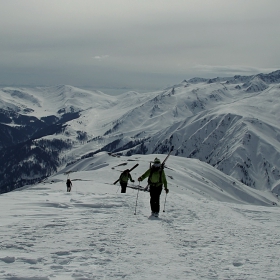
136,200
164,203
118,188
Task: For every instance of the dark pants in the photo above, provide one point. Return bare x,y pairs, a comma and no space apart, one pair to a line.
123,185
155,198
68,188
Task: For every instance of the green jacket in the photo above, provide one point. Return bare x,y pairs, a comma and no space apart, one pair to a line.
155,178
125,177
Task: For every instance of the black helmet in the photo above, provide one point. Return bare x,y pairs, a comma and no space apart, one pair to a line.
157,161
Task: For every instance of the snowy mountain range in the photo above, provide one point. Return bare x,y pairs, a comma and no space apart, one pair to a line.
230,124
219,220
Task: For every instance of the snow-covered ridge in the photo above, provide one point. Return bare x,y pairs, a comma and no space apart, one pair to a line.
231,123
207,230
193,176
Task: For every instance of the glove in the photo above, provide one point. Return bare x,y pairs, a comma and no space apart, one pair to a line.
167,190
139,179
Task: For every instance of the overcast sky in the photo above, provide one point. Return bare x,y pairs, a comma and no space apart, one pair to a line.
135,44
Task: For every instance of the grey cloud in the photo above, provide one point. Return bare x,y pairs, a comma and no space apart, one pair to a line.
123,43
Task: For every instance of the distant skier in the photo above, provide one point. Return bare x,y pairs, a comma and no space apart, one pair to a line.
124,177
156,178
69,185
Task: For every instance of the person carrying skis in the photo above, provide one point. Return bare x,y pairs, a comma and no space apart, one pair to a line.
124,177
69,185
156,178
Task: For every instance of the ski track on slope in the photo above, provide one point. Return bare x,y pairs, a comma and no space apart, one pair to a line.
88,235
223,240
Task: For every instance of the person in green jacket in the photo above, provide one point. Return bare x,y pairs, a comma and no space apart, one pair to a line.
124,177
156,179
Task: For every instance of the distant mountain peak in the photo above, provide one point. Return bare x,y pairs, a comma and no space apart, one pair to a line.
273,77
196,80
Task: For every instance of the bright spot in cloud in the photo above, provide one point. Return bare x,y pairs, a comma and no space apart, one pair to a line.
100,57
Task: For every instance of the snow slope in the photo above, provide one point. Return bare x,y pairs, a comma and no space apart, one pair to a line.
46,101
230,123
213,226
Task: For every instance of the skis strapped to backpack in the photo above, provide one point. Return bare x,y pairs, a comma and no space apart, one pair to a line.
163,163
129,171
161,168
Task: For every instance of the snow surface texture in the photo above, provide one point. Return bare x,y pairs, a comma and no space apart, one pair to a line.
211,229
